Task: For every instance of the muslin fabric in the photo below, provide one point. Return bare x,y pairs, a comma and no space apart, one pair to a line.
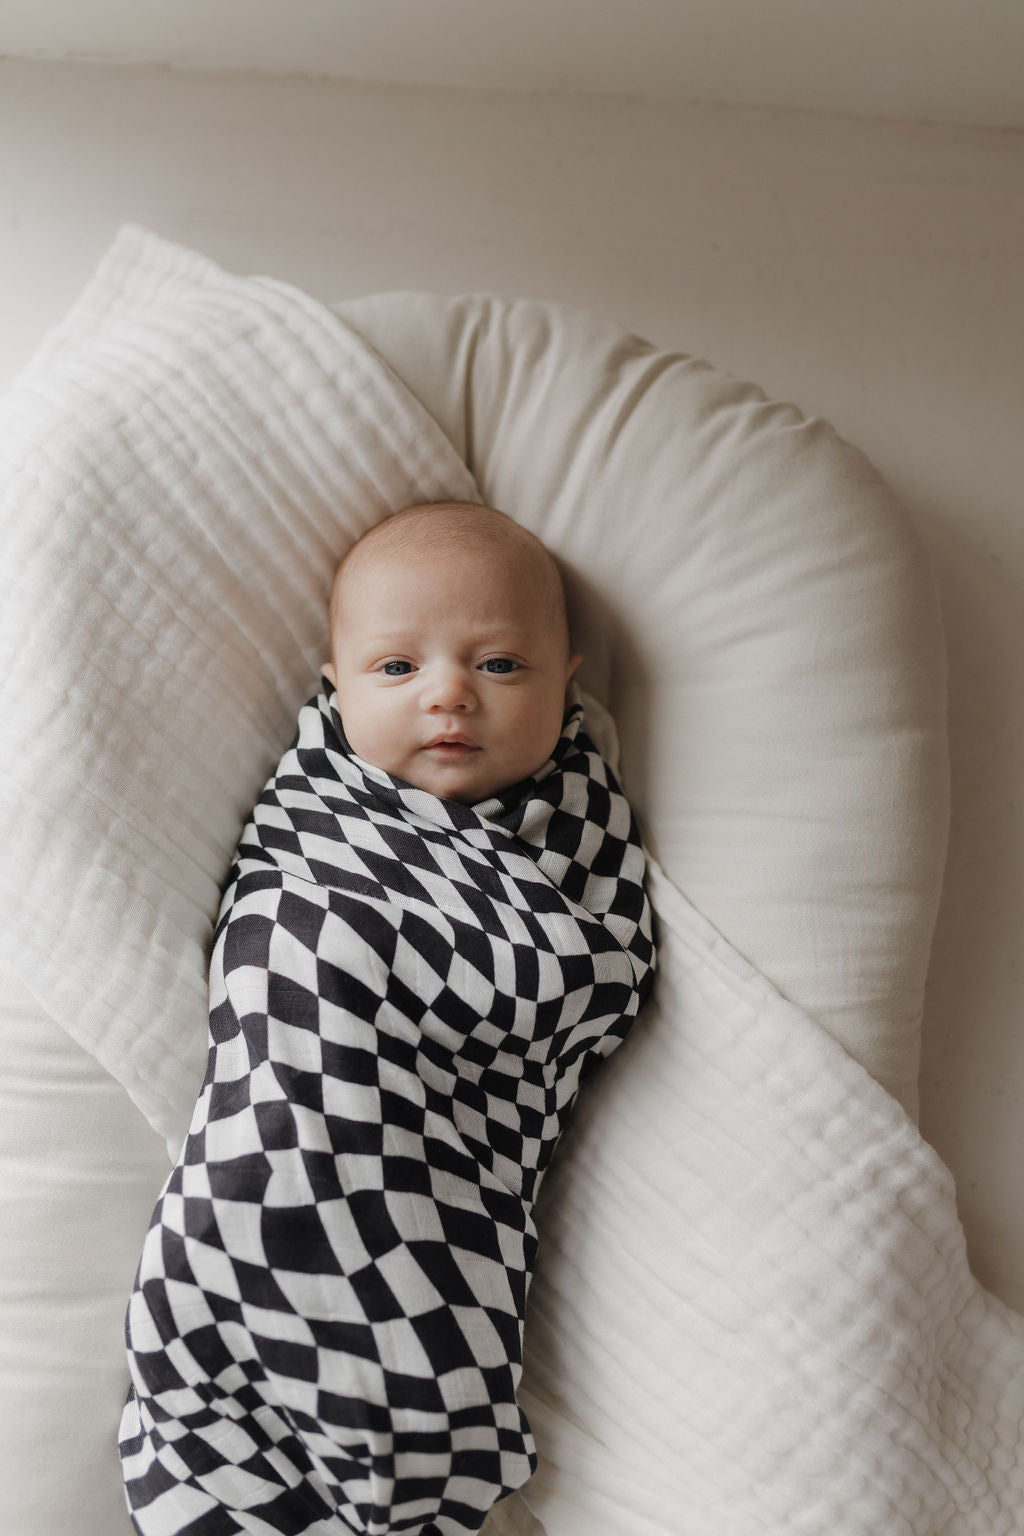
405,995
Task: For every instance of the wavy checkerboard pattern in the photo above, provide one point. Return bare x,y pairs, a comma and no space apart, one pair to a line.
406,994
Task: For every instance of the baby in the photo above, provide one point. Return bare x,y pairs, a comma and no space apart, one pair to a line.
435,927
450,650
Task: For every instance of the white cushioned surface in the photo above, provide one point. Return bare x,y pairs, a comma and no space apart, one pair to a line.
752,605
79,1172
760,617
166,573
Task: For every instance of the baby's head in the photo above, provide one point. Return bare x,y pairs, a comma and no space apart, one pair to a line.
450,649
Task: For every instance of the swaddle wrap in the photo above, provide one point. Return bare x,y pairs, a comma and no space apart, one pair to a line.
405,994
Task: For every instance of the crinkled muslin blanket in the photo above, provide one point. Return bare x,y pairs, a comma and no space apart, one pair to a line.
405,994
751,1313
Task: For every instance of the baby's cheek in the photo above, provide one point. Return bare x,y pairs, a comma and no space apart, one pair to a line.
365,727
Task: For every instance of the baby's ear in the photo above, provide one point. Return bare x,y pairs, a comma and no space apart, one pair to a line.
574,662
327,671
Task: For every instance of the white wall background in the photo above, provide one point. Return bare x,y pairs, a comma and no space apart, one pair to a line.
947,61
873,272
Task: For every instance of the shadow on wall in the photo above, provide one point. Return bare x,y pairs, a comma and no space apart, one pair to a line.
972,1068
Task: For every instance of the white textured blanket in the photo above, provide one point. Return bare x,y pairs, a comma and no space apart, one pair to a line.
754,1290
752,1314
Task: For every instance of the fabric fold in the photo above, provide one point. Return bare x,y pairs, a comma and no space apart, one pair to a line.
181,464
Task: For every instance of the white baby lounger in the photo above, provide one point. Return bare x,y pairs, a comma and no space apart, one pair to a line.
752,1310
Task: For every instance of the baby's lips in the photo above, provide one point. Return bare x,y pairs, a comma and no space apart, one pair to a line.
453,739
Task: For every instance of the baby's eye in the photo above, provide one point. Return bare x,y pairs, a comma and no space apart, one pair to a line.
500,664
402,666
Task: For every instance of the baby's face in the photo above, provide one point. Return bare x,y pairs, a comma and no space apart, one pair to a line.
451,672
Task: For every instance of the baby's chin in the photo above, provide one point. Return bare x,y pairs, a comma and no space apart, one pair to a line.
465,782
448,786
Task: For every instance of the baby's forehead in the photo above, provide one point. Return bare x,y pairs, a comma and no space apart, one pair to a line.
509,569
427,555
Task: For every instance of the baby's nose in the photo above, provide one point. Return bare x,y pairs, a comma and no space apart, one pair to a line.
449,688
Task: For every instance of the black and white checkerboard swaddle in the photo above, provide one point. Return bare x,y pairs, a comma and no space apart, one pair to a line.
325,1334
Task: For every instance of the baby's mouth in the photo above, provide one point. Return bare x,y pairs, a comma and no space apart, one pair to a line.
451,746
